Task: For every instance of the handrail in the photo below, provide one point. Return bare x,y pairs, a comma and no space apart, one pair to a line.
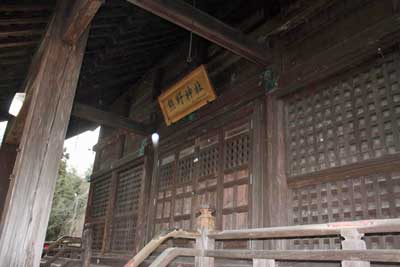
353,247
157,241
60,253
65,244
310,230
60,241
387,256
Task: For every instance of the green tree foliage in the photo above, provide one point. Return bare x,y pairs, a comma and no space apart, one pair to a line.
69,202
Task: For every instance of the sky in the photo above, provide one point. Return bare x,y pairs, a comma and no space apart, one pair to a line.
3,126
79,148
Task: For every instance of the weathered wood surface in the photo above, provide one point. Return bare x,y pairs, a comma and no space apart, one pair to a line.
206,26
275,187
258,176
8,154
385,164
263,263
343,55
109,119
310,230
109,214
380,255
353,241
24,221
79,19
87,240
156,242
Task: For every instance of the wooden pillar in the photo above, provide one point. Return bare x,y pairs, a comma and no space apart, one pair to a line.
258,197
263,263
110,214
205,224
276,212
153,194
353,241
87,240
29,199
145,199
8,154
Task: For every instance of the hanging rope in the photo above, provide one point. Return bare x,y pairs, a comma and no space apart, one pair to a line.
189,57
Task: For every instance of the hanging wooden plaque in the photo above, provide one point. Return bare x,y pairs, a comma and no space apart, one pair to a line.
186,96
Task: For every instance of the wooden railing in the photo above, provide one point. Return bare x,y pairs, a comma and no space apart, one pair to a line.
70,247
353,252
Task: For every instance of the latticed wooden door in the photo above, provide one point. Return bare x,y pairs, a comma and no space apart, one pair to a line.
212,170
126,209
100,196
114,209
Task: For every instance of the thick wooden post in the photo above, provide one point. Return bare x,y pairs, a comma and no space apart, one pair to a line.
263,263
352,241
205,224
144,207
153,195
87,239
8,154
276,213
24,222
258,201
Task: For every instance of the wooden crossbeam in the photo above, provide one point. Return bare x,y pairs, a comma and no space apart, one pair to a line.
21,21
24,8
208,27
109,119
79,19
21,33
19,44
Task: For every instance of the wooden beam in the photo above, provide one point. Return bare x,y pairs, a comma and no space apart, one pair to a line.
109,119
79,19
24,8
341,56
22,21
53,84
208,27
19,44
18,33
311,230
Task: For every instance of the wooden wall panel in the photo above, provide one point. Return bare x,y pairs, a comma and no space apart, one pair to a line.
374,196
349,120
353,118
125,214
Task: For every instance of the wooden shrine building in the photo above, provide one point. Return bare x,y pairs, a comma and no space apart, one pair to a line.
282,117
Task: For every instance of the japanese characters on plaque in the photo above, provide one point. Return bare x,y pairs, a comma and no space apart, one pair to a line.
186,96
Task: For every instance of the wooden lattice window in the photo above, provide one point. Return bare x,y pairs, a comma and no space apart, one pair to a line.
164,197
126,209
370,197
208,156
100,198
237,147
166,172
206,188
352,119
186,165
123,233
98,234
128,190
